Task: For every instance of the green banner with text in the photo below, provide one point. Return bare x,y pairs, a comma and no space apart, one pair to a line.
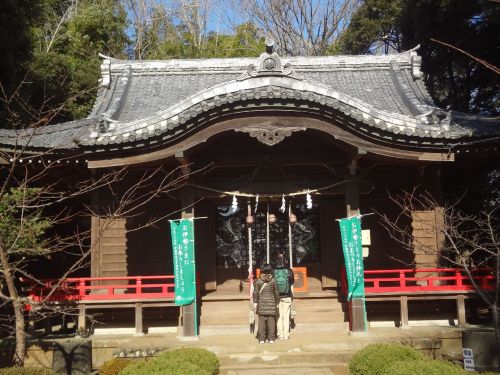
184,262
350,230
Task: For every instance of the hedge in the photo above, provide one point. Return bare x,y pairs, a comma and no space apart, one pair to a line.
185,361
114,366
426,367
25,371
375,359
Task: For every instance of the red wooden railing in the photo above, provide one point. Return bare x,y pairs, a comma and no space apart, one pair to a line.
114,288
406,281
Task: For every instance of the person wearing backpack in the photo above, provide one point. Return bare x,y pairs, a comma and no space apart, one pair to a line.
266,299
284,281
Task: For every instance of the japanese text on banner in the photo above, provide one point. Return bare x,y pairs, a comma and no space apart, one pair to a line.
182,232
350,230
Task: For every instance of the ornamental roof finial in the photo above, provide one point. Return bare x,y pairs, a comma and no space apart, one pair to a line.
269,64
269,44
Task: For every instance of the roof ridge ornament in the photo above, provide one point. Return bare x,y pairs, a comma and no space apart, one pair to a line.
416,62
105,80
269,65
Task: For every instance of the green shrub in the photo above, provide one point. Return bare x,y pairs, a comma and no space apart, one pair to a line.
428,367
114,366
25,371
204,359
185,361
375,359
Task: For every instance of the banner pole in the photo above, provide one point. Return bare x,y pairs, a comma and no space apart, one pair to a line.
195,282
350,230
290,235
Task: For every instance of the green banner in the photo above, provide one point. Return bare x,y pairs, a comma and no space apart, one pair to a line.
350,230
184,262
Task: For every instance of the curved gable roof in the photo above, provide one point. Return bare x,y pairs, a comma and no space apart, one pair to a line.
156,102
384,82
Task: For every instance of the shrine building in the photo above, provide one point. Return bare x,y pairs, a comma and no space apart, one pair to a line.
319,138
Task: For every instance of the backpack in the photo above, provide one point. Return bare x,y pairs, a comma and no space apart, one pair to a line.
281,276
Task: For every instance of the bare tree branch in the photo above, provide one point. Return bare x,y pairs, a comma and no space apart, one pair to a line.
486,64
303,27
471,241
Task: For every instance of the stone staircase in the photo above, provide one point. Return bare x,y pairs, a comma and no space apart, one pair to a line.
296,363
320,311
315,312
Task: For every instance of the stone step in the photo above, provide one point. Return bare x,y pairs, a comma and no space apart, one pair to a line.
301,317
276,358
285,363
325,310
295,369
233,329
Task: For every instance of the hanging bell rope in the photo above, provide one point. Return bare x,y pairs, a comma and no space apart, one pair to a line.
267,234
250,254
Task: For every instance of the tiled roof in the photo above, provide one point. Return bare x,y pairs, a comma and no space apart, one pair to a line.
158,101
68,135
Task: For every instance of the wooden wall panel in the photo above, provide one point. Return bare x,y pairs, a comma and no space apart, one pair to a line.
149,250
205,244
384,251
332,258
427,239
120,249
112,247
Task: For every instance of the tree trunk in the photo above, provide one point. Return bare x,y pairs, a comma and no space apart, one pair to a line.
496,324
20,332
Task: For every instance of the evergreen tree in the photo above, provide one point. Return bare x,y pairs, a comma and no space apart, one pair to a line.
65,68
50,54
454,80
374,28
16,44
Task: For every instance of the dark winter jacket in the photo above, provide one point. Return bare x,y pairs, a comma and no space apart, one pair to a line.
269,298
290,279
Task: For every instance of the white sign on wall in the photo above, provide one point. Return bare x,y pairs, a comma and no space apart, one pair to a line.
366,237
468,359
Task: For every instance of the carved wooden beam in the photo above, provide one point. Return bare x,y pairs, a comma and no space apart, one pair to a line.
269,134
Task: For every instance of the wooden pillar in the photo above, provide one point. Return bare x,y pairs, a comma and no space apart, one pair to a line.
47,324
31,323
95,253
139,331
357,306
462,320
189,312
404,311
82,319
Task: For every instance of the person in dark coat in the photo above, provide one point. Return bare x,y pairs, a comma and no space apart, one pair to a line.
266,299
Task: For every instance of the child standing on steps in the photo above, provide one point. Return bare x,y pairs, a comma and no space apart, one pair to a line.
266,299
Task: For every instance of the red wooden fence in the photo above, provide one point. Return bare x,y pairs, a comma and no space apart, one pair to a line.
115,288
404,281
